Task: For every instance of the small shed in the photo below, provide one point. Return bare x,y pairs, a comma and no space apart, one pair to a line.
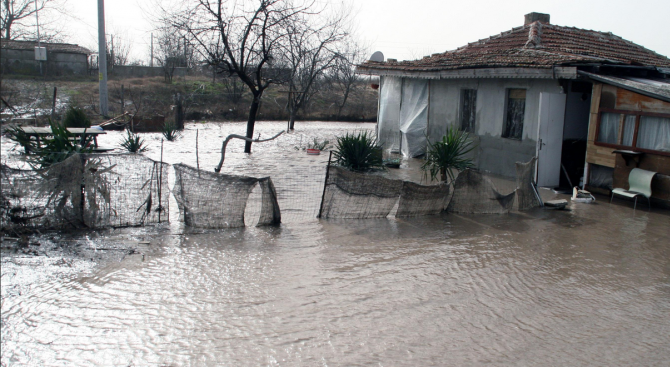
520,94
18,57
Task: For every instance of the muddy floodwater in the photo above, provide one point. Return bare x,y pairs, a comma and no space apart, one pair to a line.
582,287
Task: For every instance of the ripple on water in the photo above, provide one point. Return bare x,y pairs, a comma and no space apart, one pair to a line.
565,288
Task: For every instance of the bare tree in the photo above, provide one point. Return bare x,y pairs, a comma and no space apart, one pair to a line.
343,78
240,38
17,19
312,48
118,49
173,50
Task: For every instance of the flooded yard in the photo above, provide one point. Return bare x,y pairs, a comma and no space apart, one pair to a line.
585,286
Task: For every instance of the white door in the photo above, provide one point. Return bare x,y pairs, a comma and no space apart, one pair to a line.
550,139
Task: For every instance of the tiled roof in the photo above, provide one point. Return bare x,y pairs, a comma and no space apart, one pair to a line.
51,47
536,45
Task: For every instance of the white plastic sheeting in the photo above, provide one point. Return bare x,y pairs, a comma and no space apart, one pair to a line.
414,117
388,126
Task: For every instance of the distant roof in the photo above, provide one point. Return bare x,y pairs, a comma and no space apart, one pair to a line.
536,45
51,47
656,88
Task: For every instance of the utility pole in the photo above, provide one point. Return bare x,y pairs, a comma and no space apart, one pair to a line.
111,52
151,61
39,41
102,58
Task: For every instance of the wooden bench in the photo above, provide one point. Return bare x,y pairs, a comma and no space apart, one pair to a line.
639,183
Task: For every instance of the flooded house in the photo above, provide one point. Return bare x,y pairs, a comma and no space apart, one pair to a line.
542,90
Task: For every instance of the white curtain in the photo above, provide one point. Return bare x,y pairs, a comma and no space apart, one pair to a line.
609,128
628,130
414,117
654,133
388,126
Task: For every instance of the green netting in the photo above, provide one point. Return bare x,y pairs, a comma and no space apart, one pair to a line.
86,191
214,200
474,193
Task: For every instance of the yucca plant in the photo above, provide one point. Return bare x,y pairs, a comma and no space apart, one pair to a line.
447,154
59,148
76,117
19,136
133,143
358,152
170,131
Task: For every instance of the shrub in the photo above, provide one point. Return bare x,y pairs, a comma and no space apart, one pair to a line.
19,136
59,148
133,143
358,152
170,131
76,117
447,154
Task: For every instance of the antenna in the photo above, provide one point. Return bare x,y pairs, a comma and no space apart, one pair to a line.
377,57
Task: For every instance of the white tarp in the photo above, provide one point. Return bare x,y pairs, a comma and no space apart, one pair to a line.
414,117
388,126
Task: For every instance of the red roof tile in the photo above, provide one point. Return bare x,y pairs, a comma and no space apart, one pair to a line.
537,45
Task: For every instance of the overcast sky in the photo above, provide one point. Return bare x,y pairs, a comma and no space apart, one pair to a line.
410,29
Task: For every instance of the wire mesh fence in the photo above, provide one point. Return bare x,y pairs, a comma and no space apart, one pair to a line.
103,190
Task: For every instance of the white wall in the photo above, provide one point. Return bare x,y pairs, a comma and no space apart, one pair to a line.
494,154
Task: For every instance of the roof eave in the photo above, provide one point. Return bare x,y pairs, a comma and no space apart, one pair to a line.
631,88
556,72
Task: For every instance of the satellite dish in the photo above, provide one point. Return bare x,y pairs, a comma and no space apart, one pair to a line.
377,56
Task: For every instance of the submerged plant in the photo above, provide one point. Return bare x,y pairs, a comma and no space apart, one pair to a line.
19,136
358,152
447,154
76,117
315,144
133,143
62,145
318,144
170,131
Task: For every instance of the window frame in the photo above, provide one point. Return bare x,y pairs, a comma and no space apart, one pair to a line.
506,113
632,147
461,110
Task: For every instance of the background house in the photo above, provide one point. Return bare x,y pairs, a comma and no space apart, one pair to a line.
526,92
18,57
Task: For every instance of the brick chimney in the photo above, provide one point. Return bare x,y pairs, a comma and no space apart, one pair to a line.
532,17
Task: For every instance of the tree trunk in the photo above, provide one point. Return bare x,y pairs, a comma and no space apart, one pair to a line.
291,119
253,110
344,101
179,112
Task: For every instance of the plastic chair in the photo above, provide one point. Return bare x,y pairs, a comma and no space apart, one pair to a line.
639,183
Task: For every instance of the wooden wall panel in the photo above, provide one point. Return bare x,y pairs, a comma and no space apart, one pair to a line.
627,100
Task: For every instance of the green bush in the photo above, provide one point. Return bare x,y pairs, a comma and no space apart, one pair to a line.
358,152
447,154
59,148
170,131
133,143
76,117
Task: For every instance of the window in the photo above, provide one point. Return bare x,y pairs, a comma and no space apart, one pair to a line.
634,130
468,109
654,133
516,108
610,131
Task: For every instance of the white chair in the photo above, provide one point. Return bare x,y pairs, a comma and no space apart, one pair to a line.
639,183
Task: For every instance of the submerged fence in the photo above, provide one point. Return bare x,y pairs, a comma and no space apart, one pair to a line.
116,190
94,191
355,195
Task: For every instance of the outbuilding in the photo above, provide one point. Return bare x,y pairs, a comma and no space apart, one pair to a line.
20,57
